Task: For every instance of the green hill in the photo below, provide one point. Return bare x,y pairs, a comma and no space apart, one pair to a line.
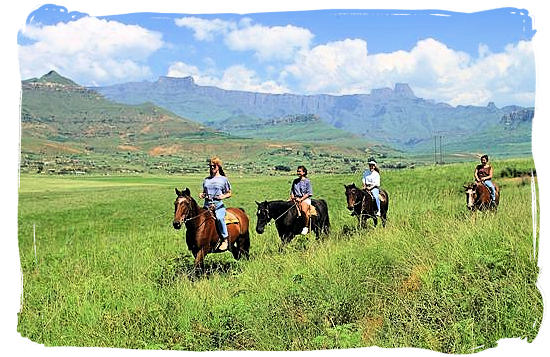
67,128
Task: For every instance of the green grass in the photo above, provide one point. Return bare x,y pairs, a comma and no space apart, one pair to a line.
111,271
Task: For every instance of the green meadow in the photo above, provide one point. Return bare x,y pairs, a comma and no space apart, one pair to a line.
103,266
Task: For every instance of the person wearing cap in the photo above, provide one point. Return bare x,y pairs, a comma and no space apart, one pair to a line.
216,188
301,193
371,182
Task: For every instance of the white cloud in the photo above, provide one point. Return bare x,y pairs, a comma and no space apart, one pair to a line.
89,50
236,77
431,68
180,69
268,43
205,30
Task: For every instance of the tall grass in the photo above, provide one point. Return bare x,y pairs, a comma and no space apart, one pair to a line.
111,270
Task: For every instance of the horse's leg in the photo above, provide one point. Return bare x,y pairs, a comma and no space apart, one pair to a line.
384,218
242,246
199,260
314,226
374,220
363,221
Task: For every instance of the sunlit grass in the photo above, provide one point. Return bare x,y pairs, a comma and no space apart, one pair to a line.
111,271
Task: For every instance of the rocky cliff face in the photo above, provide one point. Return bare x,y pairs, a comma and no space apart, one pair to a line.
394,116
513,119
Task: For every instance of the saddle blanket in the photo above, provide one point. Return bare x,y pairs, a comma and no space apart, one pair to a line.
231,218
312,211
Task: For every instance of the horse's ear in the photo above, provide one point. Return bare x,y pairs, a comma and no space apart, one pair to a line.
178,192
258,203
187,192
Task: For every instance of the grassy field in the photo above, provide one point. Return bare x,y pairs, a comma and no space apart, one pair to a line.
111,271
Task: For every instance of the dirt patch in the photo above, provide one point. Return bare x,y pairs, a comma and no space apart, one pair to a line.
128,148
370,326
146,129
164,150
413,281
61,147
517,180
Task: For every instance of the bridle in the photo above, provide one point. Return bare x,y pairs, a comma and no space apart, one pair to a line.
185,220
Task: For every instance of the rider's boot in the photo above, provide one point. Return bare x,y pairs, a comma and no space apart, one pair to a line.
223,243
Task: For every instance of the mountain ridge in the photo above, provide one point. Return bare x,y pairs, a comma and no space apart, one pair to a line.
396,117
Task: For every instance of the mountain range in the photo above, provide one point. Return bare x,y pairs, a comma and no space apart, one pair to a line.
390,116
68,124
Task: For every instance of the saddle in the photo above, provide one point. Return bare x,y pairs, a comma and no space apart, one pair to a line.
312,211
381,195
230,218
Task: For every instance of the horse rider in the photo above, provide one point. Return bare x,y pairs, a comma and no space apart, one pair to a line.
216,188
301,193
483,174
371,183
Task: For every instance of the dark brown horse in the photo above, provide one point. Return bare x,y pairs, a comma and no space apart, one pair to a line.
361,203
478,196
201,234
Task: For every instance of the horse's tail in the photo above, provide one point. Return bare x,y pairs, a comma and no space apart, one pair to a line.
324,216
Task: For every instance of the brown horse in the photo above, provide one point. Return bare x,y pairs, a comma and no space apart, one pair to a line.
201,234
361,203
478,196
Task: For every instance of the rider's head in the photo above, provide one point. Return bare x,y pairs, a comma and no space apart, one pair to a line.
302,169
484,158
372,164
215,164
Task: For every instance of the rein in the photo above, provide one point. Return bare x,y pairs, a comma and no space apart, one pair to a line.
360,202
197,216
285,212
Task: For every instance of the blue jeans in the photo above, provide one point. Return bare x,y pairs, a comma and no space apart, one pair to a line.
491,188
376,193
220,218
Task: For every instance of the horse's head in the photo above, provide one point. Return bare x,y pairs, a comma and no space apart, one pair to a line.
352,195
182,205
471,195
263,216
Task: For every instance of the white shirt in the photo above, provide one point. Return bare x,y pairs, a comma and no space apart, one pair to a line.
371,178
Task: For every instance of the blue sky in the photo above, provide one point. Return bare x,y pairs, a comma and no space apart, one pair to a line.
453,57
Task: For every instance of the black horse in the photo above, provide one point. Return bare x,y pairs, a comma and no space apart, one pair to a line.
287,220
361,203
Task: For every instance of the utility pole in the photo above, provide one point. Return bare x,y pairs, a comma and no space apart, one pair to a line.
435,149
438,151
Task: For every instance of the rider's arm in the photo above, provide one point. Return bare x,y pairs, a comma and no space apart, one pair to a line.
309,192
475,175
225,195
203,193
490,174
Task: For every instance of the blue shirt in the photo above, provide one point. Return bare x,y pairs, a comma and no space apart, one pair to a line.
213,187
301,187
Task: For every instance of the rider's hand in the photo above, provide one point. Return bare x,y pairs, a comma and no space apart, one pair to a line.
201,195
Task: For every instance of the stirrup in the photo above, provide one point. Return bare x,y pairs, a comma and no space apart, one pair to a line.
223,244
